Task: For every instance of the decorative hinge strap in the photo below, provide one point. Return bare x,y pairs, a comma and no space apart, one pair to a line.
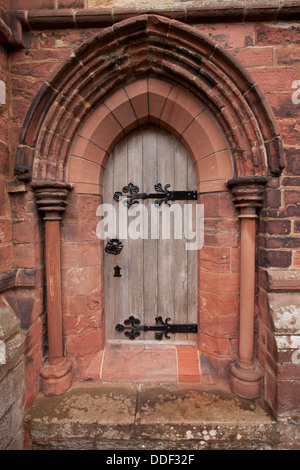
132,328
162,195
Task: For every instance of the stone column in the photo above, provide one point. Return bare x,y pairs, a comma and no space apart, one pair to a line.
245,374
51,201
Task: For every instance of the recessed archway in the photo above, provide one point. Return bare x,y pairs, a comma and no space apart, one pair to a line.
166,105
148,69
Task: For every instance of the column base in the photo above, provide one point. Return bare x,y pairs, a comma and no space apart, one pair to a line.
245,381
56,378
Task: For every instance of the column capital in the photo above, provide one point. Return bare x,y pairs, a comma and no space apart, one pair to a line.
248,194
51,197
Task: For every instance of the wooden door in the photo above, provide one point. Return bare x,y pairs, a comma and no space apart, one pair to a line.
158,273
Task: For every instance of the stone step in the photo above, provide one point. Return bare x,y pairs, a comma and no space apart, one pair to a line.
152,417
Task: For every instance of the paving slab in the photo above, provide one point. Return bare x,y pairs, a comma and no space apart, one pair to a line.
91,413
140,416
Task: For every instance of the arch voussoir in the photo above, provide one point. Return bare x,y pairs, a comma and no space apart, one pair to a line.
164,104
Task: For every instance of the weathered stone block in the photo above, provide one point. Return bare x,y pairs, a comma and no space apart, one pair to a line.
284,310
10,426
11,388
9,323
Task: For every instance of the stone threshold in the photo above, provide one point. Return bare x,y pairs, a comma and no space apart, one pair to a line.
106,416
150,362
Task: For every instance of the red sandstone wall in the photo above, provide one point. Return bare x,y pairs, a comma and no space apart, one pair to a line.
271,54
5,221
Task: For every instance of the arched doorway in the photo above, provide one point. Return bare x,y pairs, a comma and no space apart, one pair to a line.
197,147
197,92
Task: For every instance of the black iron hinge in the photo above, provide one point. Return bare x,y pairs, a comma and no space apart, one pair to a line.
132,328
162,195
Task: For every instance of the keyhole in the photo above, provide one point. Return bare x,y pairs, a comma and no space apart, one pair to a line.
117,272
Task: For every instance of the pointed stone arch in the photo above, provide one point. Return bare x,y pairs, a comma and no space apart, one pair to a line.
155,101
148,45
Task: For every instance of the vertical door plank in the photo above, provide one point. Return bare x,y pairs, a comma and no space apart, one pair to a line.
150,245
165,278
135,242
120,291
180,253
108,188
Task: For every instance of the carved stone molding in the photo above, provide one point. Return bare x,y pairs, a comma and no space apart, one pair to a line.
202,12
214,75
248,194
51,198
11,30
